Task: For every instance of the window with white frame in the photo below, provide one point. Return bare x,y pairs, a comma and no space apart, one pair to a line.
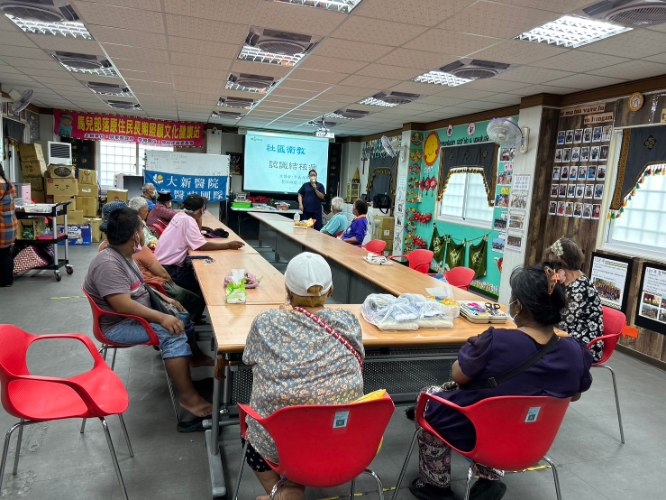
465,200
641,225
116,158
123,158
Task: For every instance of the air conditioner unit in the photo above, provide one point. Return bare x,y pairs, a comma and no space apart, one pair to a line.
235,102
629,13
84,63
228,115
396,98
474,69
45,11
250,83
280,42
60,153
110,89
123,104
351,114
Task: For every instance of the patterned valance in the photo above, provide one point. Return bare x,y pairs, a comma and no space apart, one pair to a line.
641,148
480,158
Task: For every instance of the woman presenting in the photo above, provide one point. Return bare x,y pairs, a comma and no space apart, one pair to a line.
310,197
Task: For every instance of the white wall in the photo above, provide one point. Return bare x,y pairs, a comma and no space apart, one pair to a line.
219,142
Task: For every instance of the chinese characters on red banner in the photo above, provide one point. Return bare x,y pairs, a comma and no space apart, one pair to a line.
130,129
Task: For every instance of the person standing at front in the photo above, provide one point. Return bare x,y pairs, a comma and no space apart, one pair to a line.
310,197
8,225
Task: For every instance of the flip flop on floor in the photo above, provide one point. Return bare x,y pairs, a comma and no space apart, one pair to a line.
485,489
195,425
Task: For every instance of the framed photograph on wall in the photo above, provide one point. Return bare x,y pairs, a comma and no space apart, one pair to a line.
651,310
611,275
235,163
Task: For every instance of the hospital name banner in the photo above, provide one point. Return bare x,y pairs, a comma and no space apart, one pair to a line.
96,127
181,186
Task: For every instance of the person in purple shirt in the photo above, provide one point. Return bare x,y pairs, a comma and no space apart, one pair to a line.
536,305
358,228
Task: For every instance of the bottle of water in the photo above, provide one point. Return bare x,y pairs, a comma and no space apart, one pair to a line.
297,217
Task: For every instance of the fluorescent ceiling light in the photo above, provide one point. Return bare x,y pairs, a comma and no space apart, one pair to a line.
572,32
373,101
345,6
441,78
73,29
255,54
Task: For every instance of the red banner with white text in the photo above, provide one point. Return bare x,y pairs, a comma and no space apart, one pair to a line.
95,127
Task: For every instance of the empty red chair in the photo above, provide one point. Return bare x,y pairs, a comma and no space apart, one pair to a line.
322,446
375,246
512,432
460,277
419,259
614,323
95,393
153,340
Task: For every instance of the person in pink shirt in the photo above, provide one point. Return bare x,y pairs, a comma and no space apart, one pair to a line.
182,235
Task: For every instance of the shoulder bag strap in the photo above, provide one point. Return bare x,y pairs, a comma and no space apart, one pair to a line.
493,382
336,335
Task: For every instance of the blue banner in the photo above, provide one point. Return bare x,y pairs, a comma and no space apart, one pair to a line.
180,186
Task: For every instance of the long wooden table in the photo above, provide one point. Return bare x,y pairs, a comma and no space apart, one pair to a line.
400,361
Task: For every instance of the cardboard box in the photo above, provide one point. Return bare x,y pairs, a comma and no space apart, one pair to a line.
116,195
62,187
87,176
77,234
74,218
60,199
90,190
33,168
62,172
31,151
384,222
88,205
94,227
39,196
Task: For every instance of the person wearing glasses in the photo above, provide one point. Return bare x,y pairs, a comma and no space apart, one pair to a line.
562,370
583,318
182,235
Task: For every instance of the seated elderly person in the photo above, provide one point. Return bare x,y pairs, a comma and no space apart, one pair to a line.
562,371
161,214
182,235
148,192
358,229
140,204
338,221
286,346
114,283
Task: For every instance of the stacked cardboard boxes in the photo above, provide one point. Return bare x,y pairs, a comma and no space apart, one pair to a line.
88,193
383,230
33,168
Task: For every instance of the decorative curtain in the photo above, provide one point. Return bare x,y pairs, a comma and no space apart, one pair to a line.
455,253
473,158
641,148
437,245
478,258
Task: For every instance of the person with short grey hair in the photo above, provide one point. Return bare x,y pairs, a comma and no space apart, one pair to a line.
140,204
148,192
338,222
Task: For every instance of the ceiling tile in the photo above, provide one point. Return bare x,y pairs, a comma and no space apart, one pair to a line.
495,85
210,49
528,74
392,72
518,52
128,37
377,31
631,44
449,42
16,39
355,51
104,14
23,52
631,69
417,88
496,20
154,5
577,60
311,75
136,53
410,58
91,47
657,58
419,12
298,19
206,29
233,11
581,81
274,70
368,82
333,64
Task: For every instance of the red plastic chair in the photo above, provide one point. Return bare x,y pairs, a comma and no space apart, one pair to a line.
96,393
322,446
418,259
375,246
153,340
460,277
512,432
614,323
157,228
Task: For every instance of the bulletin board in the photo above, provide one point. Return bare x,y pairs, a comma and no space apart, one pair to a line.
651,310
611,275
189,173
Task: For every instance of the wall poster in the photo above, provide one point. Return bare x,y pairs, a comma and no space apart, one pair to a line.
611,275
651,310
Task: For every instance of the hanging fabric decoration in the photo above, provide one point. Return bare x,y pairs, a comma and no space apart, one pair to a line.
478,258
652,170
455,253
437,245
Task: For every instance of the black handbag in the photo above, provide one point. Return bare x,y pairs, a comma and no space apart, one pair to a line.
382,202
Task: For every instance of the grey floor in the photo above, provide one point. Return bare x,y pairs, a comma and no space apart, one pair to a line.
59,463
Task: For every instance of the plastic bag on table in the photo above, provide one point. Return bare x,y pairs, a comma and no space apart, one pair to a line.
386,312
431,314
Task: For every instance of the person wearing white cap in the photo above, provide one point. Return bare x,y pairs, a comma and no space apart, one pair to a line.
286,347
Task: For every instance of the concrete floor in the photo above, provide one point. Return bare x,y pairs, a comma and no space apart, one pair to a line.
59,463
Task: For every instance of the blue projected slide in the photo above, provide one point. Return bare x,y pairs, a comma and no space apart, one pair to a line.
279,163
